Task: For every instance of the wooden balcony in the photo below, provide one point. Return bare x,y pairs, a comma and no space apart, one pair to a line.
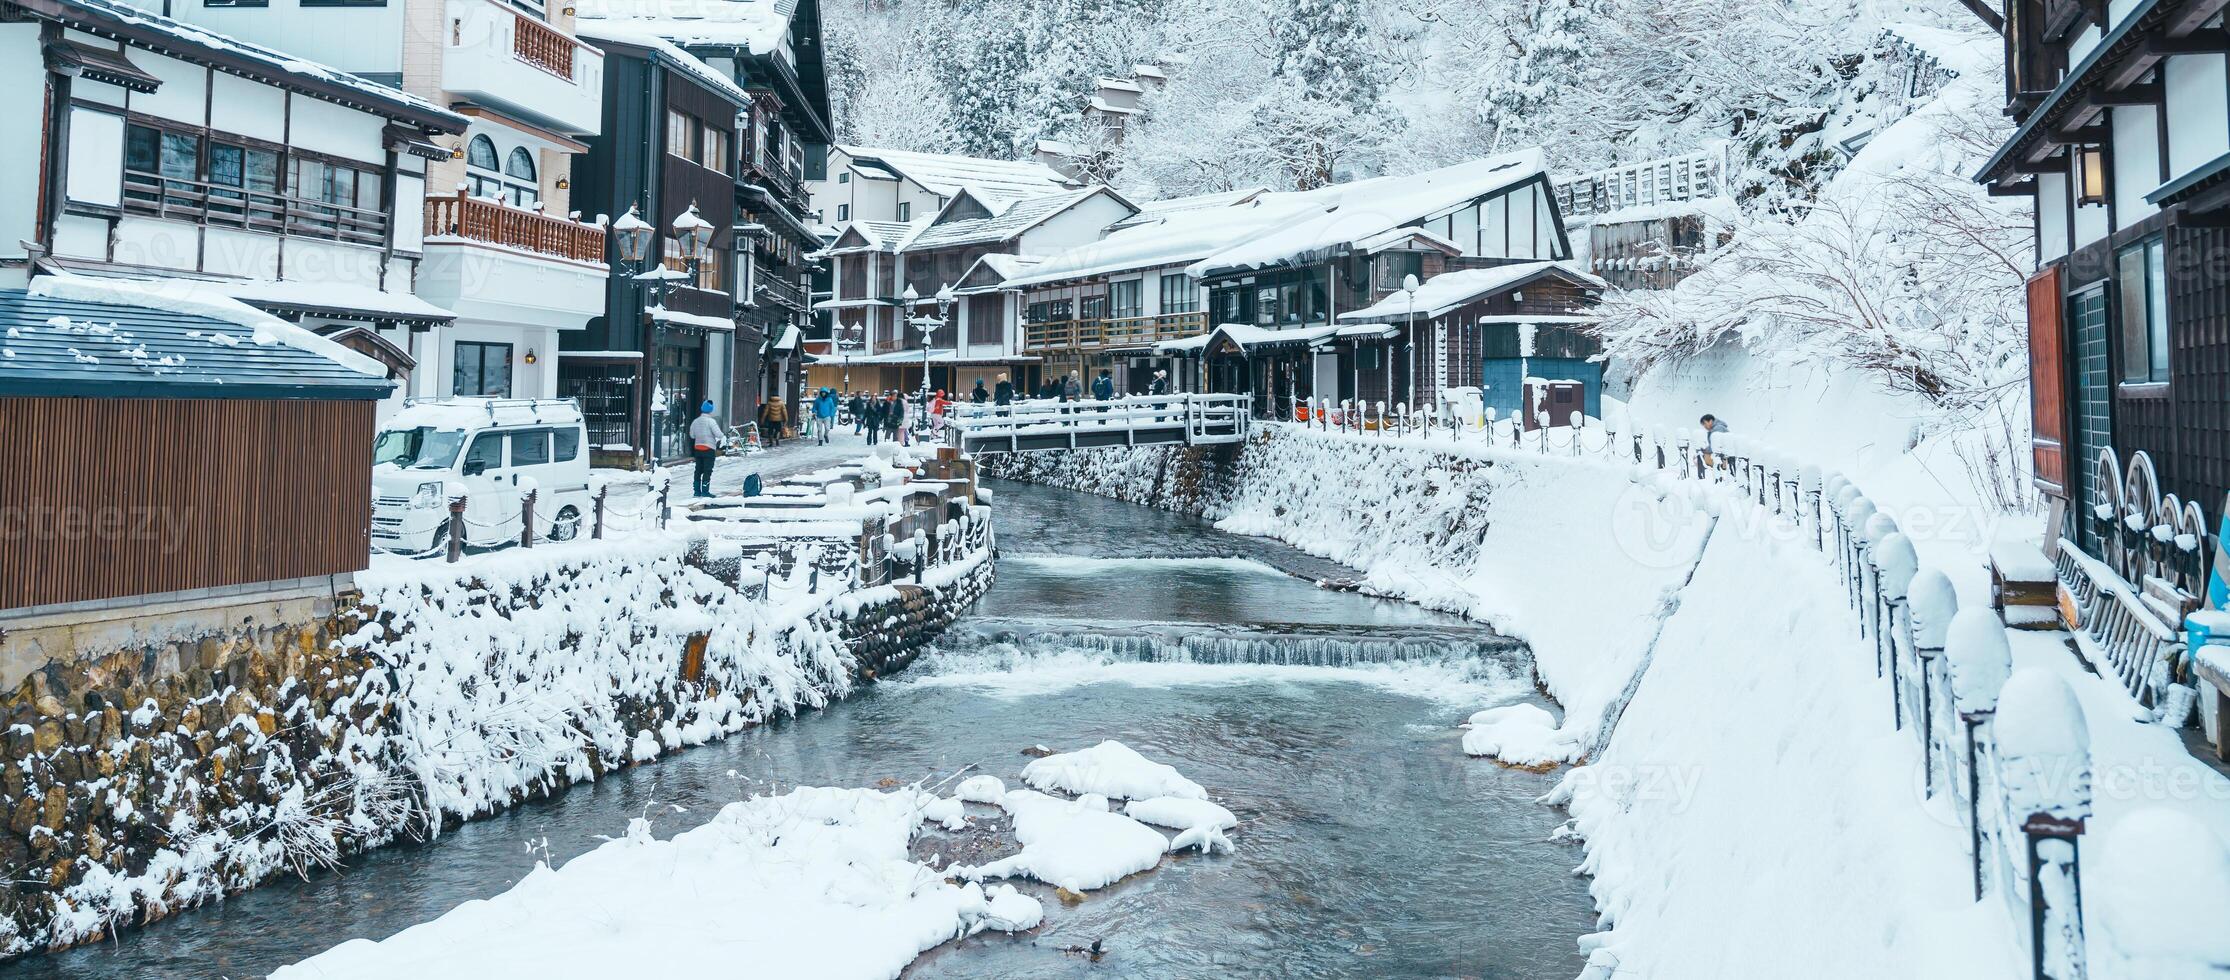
482,220
543,46
1117,333
207,203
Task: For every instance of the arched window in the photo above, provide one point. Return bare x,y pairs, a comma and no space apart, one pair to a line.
481,152
519,185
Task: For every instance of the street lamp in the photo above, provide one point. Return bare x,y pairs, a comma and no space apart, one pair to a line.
1409,286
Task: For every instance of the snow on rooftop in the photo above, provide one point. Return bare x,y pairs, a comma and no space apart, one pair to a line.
1342,214
1449,290
1181,236
217,301
1006,222
945,174
757,25
660,36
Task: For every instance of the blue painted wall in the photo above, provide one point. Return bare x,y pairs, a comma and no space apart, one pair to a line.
1505,382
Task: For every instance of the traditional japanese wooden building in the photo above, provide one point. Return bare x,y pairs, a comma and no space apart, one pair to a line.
2123,140
158,459
1489,329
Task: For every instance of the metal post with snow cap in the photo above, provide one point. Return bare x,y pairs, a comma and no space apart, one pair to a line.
1978,660
1808,501
2044,777
2159,890
1878,528
1856,511
1895,564
1930,604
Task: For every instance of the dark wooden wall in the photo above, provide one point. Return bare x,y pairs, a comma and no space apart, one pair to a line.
108,497
2188,432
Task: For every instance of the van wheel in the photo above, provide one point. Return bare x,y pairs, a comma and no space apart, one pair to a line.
567,526
440,547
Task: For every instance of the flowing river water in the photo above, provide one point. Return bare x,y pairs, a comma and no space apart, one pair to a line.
1369,846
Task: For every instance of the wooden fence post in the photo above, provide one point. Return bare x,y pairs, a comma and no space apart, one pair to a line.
1979,659
1930,604
526,519
2044,772
456,529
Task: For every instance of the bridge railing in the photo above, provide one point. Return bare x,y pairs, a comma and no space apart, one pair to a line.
1197,418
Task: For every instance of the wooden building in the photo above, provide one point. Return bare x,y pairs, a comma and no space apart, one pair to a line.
1489,329
2123,140
714,107
154,457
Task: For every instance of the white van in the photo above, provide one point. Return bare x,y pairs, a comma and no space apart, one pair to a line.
490,451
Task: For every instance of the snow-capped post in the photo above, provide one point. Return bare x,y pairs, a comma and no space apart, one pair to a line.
1579,431
2044,775
1855,515
1878,529
526,519
456,528
1808,498
665,510
596,529
1978,659
1895,564
1931,603
2164,884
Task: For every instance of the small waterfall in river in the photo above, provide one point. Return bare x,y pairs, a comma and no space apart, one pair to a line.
1273,645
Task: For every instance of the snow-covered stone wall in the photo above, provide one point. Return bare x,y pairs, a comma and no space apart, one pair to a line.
1575,556
150,780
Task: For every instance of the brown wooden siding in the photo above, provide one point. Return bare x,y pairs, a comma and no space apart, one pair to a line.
102,498
2188,432
2048,381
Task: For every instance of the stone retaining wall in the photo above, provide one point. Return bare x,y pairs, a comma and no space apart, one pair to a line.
149,778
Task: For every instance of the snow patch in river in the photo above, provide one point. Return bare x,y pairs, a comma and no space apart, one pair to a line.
1013,675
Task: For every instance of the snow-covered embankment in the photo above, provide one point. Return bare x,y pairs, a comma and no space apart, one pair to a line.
1748,809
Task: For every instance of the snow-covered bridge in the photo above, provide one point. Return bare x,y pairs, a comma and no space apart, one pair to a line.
1144,420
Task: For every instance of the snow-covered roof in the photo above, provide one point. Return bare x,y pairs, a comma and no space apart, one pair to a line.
1120,84
1152,211
1102,105
196,43
1450,290
84,337
1017,217
945,174
878,236
652,35
1178,237
1249,335
1343,214
756,25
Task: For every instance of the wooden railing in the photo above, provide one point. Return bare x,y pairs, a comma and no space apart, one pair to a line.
1661,181
787,292
279,214
483,220
1129,331
543,46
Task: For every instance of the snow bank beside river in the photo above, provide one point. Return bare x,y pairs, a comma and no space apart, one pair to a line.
813,883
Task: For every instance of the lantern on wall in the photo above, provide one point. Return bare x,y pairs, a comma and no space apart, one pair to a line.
2090,177
694,233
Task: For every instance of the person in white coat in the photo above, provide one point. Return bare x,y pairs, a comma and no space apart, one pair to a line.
706,440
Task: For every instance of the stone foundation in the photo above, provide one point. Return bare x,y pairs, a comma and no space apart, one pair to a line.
144,778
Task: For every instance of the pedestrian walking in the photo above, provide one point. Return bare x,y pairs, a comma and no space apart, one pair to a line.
1071,388
706,440
1003,394
859,412
774,416
894,417
871,416
1103,387
1160,384
824,414
980,395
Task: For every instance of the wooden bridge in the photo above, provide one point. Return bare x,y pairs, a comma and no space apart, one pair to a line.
1141,420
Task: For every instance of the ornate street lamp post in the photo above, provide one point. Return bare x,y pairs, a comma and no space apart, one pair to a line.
1409,286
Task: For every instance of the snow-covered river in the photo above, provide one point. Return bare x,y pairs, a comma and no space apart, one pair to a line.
1369,845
